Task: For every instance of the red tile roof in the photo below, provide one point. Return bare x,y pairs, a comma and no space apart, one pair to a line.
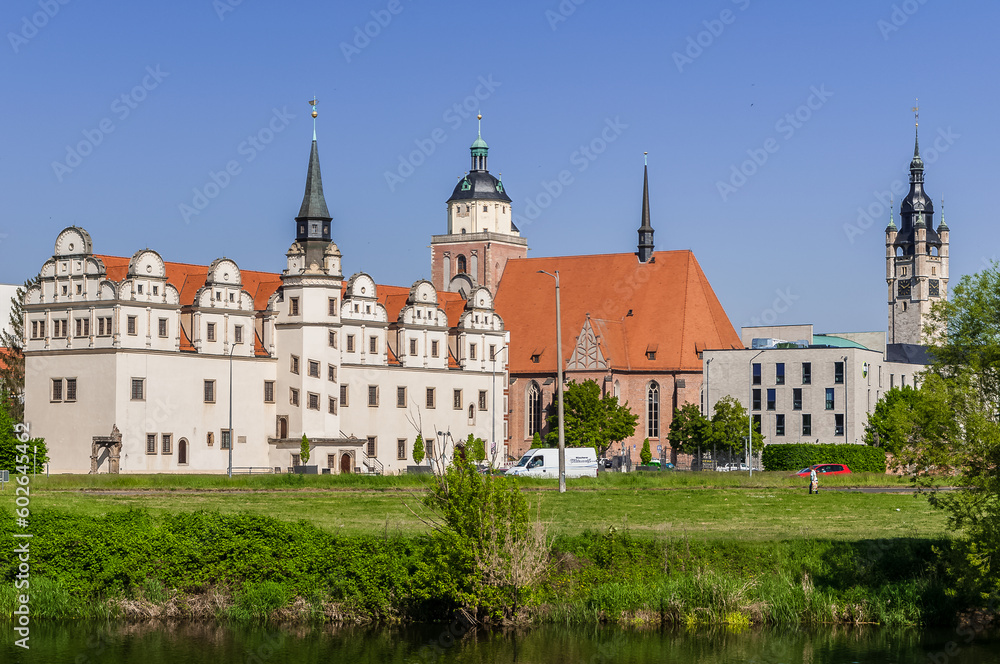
672,305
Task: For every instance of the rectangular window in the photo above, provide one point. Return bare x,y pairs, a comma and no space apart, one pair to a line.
373,395
779,373
838,425
293,396
34,329
830,402
756,373
71,389
457,399
807,424
331,306
314,368
472,351
756,399
401,449
293,306
779,425
807,372
434,344
372,447
268,391
332,340
756,423
482,399
332,406
138,389
430,397
838,372
343,395
797,398
771,399
238,334
350,343
41,329
413,346
313,401
166,441
162,327
131,325
400,397
331,373
150,443
57,389
209,391
59,328
296,460
79,327
372,344
294,368
493,352
210,332
227,439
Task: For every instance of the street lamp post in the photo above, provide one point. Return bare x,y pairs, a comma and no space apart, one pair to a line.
559,386
232,348
493,397
750,412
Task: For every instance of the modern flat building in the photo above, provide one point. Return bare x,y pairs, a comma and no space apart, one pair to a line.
138,365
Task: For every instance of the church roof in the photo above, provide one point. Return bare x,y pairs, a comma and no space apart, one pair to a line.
666,307
479,185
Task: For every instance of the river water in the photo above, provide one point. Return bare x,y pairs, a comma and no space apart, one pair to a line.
89,643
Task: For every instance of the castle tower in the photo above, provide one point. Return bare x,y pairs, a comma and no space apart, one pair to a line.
916,260
481,235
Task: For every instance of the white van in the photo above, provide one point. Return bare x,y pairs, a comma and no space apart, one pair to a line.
544,462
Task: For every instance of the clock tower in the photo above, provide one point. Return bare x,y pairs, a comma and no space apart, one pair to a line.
481,234
916,257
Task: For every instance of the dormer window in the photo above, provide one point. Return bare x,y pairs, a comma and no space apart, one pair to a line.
535,358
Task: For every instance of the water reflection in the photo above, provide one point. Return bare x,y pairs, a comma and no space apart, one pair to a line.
187,643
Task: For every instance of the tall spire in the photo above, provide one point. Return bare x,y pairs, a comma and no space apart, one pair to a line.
646,229
313,220
917,163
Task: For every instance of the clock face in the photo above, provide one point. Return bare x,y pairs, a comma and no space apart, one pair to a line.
934,288
904,288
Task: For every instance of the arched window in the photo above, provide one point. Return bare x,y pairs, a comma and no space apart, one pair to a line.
460,263
474,263
182,452
618,389
472,413
653,411
534,411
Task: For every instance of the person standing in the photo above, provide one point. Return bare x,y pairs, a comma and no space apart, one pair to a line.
813,481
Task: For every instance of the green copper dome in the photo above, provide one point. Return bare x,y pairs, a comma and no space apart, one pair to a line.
480,143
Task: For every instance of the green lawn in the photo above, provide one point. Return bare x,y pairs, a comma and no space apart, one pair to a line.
696,505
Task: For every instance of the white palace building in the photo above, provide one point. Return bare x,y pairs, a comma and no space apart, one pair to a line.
131,362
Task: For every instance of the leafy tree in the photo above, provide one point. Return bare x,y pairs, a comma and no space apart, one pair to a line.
11,435
730,422
591,420
304,450
645,455
12,362
418,450
905,417
536,440
478,447
689,429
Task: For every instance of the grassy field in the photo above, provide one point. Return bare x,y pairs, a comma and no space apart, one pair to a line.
670,505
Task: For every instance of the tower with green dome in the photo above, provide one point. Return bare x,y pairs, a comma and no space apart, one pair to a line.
481,235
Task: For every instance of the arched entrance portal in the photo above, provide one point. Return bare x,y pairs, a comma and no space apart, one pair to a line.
345,464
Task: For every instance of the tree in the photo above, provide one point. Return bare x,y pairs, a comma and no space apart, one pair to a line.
536,440
729,426
591,420
12,362
418,450
689,429
12,436
304,450
477,447
904,417
645,455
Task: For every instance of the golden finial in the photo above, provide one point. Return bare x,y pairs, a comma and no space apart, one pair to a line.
916,113
312,102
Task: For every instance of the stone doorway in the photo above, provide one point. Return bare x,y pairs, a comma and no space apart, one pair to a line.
345,464
106,448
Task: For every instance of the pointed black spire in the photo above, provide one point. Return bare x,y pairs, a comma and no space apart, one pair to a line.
313,221
646,229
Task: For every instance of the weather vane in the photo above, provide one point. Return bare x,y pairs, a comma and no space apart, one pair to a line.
916,113
312,102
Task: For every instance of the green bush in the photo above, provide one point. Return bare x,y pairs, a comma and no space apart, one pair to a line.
859,458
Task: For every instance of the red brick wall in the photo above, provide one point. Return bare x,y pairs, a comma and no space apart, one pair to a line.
492,258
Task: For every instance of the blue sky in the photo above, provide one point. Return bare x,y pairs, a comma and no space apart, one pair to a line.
164,95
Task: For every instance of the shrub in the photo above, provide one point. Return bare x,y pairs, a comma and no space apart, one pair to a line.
859,458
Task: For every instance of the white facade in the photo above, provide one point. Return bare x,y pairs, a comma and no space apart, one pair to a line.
136,346
7,292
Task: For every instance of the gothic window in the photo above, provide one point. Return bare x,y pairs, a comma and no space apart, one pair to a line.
462,268
653,411
534,408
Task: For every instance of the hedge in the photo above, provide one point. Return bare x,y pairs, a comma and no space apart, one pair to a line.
859,458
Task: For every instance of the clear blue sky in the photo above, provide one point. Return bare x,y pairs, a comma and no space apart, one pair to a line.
556,84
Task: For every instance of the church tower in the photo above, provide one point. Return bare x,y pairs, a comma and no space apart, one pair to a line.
646,229
481,234
916,260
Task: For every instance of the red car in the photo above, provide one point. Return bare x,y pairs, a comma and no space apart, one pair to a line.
825,469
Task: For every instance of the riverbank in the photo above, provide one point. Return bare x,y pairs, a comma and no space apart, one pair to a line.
134,566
